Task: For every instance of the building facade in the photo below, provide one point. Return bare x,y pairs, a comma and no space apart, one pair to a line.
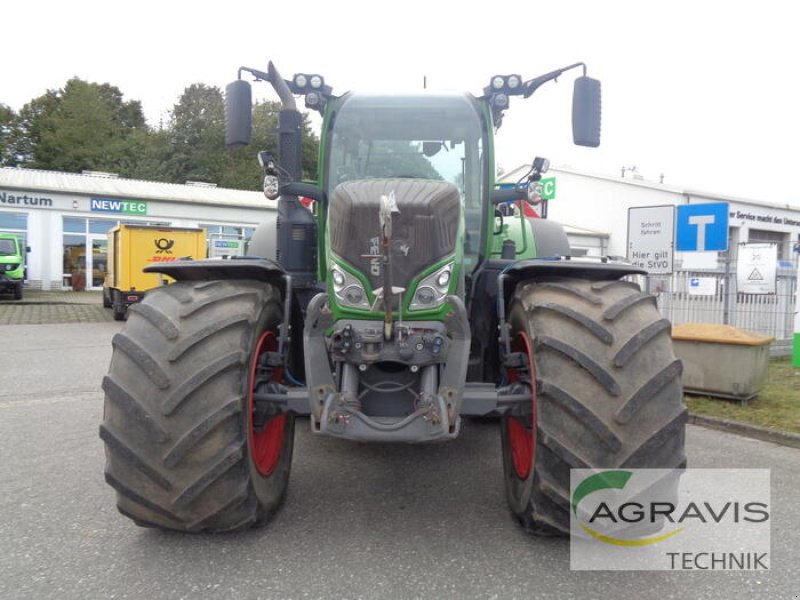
64,218
597,207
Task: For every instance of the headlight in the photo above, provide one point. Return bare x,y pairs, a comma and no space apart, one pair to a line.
271,187
432,291
348,290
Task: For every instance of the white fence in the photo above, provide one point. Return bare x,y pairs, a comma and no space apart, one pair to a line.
721,301
767,314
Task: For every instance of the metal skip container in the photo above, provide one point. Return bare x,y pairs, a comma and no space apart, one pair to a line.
722,360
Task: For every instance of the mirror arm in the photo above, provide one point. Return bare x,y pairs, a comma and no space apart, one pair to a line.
280,85
508,195
532,85
307,190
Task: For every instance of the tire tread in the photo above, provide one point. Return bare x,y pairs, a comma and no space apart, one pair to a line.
599,404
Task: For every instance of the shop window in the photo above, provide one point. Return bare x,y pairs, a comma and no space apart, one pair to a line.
230,232
85,246
74,265
74,225
101,226
774,237
14,222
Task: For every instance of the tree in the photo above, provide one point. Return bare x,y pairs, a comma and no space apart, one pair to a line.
7,120
90,126
82,126
197,130
26,129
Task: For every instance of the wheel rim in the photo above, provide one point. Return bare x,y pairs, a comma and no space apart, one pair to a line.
265,445
521,438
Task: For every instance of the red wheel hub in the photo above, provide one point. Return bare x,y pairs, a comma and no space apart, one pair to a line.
265,445
521,436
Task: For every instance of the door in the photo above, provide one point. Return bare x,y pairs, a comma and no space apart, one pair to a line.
97,264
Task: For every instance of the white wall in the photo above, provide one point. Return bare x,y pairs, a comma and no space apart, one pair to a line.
602,204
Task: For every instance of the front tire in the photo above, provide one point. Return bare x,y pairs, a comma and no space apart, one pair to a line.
607,393
18,291
182,452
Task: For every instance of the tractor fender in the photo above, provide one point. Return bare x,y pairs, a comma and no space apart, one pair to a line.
253,269
588,268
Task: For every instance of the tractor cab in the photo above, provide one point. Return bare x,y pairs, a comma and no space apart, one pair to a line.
426,152
426,137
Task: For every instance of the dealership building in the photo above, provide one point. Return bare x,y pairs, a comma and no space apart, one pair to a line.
64,218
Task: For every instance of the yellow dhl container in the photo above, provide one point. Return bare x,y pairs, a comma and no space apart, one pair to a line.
132,247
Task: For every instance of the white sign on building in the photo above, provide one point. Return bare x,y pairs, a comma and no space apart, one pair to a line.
651,235
756,268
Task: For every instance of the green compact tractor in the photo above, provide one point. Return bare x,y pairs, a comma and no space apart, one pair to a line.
413,293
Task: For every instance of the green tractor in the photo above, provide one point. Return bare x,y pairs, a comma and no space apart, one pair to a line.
412,294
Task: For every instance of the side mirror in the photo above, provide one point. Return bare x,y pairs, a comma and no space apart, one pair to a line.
238,113
586,112
27,248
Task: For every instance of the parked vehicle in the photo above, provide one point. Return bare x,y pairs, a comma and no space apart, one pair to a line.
131,248
12,265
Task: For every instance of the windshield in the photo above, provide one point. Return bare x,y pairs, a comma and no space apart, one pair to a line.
8,247
435,137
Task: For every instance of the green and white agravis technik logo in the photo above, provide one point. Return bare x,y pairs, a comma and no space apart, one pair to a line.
671,519
629,512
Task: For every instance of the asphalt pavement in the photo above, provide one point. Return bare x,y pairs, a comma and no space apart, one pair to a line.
360,521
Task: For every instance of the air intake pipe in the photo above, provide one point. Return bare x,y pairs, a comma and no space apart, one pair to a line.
296,233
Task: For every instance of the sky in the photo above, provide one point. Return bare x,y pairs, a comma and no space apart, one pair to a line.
706,94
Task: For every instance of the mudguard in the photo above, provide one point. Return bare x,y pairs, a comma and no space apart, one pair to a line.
254,269
585,267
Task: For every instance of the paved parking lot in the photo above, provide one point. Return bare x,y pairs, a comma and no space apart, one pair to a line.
361,520
48,307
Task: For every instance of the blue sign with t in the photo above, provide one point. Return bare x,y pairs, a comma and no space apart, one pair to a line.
702,227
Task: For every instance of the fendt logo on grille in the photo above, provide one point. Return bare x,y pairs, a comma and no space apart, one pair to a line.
375,261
